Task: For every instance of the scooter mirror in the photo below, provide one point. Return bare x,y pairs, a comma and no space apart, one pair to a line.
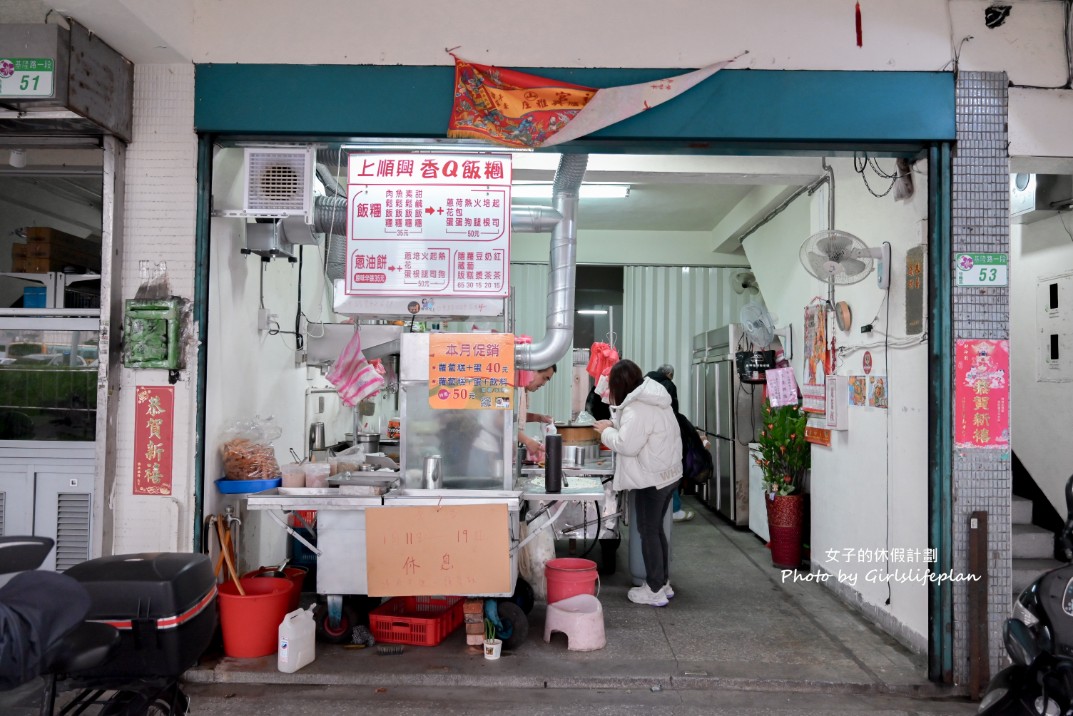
1020,644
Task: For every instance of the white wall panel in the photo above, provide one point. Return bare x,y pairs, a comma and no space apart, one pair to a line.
665,307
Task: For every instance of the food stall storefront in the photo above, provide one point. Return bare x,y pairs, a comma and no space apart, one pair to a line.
446,518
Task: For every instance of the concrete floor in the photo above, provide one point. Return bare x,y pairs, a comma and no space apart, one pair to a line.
734,625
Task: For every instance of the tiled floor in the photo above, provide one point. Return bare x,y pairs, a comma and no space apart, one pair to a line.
732,624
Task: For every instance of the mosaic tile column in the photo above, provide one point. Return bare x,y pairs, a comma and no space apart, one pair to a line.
980,223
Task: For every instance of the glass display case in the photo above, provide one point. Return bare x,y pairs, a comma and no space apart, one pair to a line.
475,446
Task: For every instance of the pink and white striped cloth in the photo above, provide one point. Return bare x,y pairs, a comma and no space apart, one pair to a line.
354,378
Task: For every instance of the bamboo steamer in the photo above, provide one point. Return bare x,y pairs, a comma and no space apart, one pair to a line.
578,434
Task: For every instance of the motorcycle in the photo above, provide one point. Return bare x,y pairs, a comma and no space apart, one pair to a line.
1039,639
96,637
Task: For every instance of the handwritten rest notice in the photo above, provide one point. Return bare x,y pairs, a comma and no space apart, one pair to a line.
437,550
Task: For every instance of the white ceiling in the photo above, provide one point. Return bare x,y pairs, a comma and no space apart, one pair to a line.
676,193
668,193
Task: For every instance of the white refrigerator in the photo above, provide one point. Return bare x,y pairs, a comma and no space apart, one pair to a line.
728,410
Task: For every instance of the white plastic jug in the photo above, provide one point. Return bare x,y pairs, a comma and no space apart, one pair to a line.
297,640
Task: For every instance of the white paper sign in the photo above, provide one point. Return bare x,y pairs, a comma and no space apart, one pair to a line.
428,224
781,387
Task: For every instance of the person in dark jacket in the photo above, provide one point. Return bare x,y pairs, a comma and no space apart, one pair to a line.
596,407
664,375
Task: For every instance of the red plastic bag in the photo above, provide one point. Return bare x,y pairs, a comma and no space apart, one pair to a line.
601,357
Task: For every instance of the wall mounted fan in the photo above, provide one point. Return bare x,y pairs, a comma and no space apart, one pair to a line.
744,282
760,329
840,258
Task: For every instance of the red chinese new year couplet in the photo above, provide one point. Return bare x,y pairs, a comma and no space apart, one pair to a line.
982,394
154,420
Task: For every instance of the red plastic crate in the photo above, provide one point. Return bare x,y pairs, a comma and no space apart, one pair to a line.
421,621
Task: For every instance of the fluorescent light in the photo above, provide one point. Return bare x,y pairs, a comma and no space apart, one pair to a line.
588,191
592,311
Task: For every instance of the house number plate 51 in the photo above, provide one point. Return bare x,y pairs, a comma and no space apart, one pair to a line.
27,77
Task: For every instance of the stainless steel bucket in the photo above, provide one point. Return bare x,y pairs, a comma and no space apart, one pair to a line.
371,441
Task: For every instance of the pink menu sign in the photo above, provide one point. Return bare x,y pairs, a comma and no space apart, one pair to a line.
982,394
428,225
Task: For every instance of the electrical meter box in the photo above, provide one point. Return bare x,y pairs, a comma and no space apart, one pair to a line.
151,333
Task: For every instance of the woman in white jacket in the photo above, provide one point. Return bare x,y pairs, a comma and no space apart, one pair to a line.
647,442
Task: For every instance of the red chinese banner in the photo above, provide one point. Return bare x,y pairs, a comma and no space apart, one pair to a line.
154,421
982,394
522,110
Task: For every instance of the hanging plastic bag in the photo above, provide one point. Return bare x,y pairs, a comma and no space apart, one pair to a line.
247,449
601,357
535,554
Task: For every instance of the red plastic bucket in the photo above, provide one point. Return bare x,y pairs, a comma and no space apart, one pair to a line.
295,575
250,623
570,576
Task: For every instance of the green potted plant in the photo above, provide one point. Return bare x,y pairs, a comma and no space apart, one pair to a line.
784,458
492,646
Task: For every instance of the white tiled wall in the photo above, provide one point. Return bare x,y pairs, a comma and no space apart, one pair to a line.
159,224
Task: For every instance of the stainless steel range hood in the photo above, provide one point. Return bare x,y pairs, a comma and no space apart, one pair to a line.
92,84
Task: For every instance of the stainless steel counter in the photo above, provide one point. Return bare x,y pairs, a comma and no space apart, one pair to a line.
340,527
310,498
581,486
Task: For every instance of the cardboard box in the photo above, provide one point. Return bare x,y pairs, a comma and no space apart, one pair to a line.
51,250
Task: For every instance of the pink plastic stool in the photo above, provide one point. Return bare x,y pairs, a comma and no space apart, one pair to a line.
581,618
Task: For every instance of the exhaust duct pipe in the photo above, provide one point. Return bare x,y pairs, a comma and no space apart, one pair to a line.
534,219
561,269
331,185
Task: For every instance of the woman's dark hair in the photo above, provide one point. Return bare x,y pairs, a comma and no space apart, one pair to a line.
624,378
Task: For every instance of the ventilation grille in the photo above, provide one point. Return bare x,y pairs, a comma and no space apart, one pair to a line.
278,182
72,528
3,514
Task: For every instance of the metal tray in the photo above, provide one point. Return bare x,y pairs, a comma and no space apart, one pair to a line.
363,483
310,498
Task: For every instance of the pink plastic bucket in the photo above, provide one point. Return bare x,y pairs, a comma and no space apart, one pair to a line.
570,576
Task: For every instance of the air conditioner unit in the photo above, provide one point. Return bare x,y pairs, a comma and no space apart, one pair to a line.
1038,196
279,182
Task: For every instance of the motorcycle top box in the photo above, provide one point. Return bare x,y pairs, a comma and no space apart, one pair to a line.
164,606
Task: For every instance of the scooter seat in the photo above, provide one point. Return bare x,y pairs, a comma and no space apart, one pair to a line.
89,645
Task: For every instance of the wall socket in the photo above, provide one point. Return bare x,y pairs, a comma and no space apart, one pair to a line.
266,321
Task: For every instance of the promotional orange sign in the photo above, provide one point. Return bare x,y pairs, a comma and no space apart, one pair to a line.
471,371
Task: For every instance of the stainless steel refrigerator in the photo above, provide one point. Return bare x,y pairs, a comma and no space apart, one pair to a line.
728,410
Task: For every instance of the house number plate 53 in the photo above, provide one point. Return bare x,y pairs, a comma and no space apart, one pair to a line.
982,269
